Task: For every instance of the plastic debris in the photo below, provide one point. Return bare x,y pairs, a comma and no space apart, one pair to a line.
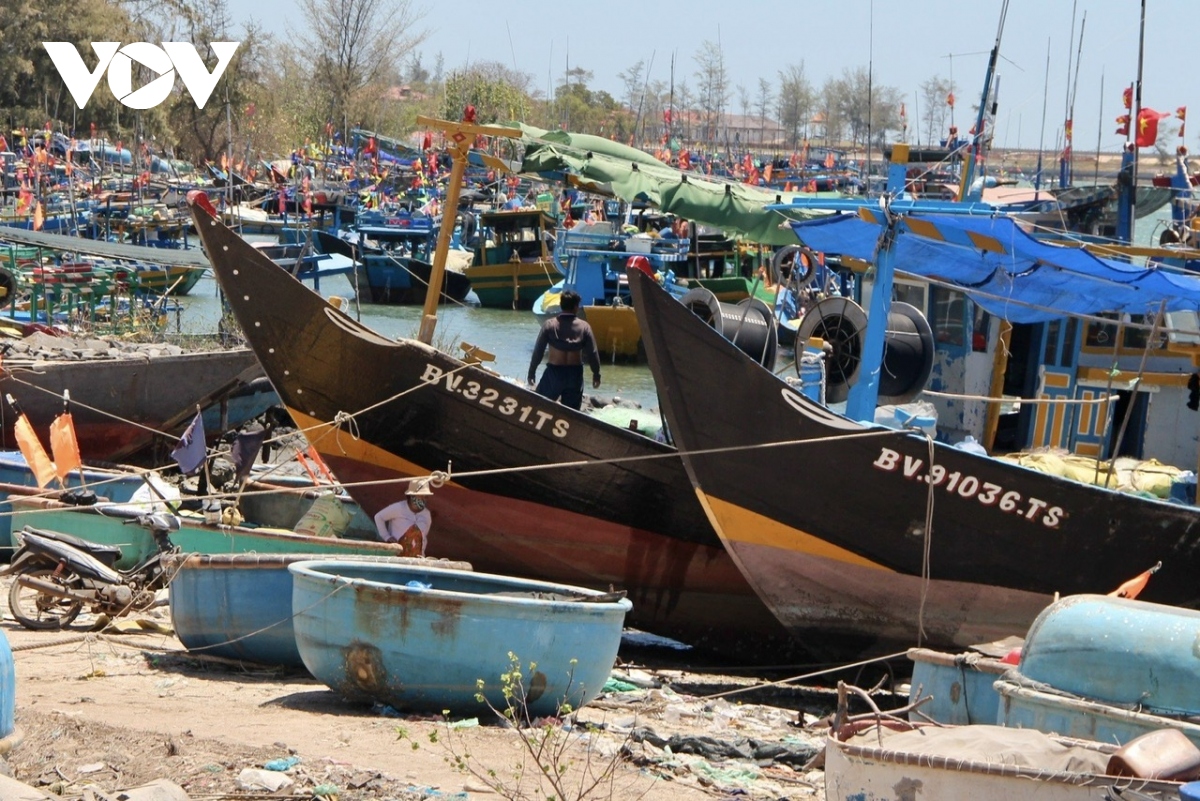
269,780
283,763
466,723
615,685
418,585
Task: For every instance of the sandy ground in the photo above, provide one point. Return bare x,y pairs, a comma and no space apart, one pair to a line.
115,711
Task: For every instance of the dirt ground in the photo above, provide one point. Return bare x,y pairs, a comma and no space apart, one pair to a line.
116,711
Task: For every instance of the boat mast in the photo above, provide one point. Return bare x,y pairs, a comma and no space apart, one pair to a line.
1037,178
1133,120
459,136
974,154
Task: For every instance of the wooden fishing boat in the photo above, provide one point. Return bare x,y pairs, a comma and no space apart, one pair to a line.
394,255
883,533
122,402
990,763
512,266
544,492
239,606
421,638
106,524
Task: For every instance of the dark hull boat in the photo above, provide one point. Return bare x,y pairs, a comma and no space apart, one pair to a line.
831,527
633,525
120,404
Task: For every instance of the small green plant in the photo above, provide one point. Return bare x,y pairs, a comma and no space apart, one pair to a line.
558,759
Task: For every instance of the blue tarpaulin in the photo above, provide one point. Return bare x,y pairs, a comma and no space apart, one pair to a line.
1005,270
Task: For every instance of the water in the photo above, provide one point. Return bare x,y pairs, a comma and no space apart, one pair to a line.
506,333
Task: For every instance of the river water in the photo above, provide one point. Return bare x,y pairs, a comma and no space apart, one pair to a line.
508,334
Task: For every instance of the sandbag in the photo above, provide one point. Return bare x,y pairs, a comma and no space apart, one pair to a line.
327,517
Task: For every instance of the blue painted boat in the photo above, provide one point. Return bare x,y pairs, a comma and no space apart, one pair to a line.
16,479
1029,705
1118,651
421,639
239,606
961,686
9,735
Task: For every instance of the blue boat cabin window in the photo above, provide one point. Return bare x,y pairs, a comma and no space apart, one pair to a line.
1132,332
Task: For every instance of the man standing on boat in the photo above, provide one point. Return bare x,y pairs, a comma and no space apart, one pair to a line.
407,522
571,341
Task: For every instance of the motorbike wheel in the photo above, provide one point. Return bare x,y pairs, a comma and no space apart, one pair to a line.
40,612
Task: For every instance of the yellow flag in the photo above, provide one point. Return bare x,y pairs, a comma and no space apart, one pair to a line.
64,446
34,453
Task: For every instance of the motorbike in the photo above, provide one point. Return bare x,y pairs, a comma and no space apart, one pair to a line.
55,575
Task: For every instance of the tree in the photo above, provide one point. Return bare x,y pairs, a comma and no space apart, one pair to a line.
934,109
762,104
498,93
631,81
796,103
714,87
357,45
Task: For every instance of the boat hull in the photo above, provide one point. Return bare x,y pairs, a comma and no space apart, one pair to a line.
1003,768
1117,650
537,489
841,541
1027,707
122,403
372,633
403,281
239,606
106,525
960,686
512,285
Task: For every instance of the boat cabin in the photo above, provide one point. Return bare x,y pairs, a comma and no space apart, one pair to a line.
514,236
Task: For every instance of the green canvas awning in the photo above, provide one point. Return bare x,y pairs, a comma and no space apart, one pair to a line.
609,167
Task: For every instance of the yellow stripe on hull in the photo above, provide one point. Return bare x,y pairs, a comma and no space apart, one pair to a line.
343,444
735,524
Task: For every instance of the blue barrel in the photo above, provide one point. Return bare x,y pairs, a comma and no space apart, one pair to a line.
8,698
1118,651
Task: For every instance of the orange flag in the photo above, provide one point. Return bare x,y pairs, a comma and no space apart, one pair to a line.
32,450
38,217
1135,585
64,446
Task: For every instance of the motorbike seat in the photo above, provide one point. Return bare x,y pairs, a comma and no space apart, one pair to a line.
107,554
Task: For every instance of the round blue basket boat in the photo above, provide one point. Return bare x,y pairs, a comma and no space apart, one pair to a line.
422,639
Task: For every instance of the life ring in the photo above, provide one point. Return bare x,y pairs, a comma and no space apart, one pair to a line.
8,287
796,256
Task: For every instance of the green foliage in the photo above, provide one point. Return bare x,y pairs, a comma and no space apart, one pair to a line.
557,762
496,92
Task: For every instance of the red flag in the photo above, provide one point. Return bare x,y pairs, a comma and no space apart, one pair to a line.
64,446
1181,113
950,100
1123,125
829,160
1069,129
1127,97
32,450
1147,127
38,217
685,160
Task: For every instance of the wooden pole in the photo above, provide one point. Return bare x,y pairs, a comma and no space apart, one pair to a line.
460,136
999,366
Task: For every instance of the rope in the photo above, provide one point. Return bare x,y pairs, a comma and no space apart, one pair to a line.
804,676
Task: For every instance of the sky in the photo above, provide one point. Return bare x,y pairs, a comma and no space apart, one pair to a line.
905,42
